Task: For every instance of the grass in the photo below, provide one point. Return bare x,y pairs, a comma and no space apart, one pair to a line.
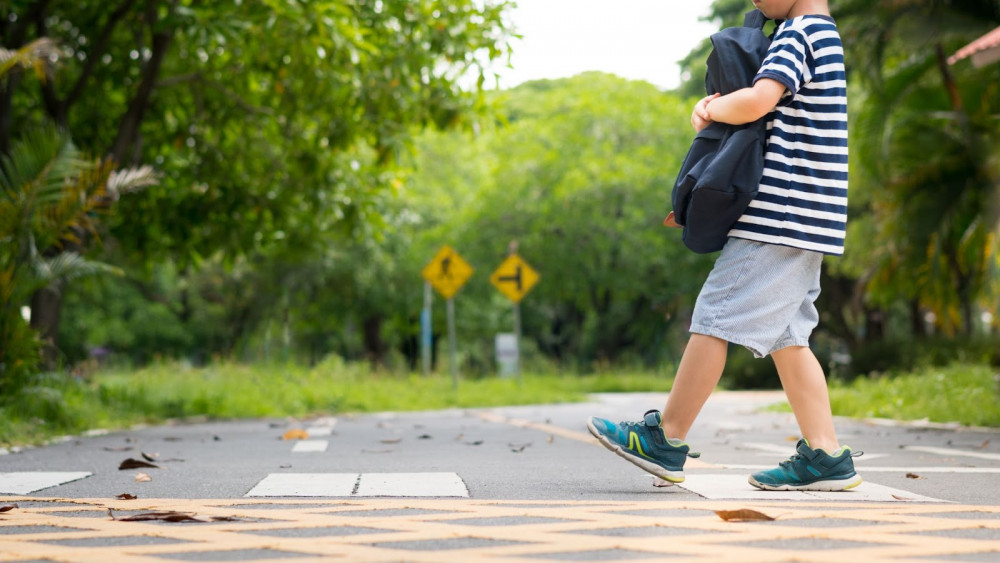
55,405
119,399
965,393
968,394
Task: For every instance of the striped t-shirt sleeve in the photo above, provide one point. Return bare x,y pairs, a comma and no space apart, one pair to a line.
802,198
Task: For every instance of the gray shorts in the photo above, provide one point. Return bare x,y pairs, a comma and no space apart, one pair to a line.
760,296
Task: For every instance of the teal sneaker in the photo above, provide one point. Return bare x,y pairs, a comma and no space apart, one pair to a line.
644,444
811,470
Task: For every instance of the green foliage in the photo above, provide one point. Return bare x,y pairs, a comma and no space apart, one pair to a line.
964,393
50,197
54,405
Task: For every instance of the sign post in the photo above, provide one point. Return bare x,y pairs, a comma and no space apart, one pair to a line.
447,272
426,330
515,278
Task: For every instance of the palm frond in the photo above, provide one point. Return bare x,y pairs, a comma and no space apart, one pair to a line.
38,55
131,180
67,266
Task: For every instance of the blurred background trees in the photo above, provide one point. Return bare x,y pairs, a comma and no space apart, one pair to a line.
311,157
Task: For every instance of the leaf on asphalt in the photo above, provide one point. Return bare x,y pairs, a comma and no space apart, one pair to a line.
424,437
166,516
135,464
149,457
984,444
119,449
126,496
295,434
142,478
475,443
172,439
659,482
8,507
551,439
897,497
743,515
391,440
518,448
913,476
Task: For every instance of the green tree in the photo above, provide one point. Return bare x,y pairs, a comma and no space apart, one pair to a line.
927,137
247,109
51,196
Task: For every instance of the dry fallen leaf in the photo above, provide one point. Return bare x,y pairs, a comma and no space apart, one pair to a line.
149,457
169,516
984,444
126,496
295,434
743,515
8,507
135,463
913,476
391,440
143,478
897,497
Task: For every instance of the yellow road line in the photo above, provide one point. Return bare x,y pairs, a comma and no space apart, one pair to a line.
453,529
691,463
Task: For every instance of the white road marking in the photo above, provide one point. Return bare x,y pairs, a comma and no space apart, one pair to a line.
310,446
305,485
952,452
22,483
320,430
726,486
884,469
412,485
360,485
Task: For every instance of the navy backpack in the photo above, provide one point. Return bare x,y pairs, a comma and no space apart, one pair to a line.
722,170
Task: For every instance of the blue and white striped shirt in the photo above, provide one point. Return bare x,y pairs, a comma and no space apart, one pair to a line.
802,201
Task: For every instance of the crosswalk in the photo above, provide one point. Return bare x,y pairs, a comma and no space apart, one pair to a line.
710,481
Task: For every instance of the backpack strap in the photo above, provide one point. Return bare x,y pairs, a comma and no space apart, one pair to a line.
754,19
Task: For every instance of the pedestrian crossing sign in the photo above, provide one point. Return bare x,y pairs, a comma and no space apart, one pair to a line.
447,272
514,278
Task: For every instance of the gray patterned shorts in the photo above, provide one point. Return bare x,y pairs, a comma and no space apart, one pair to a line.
760,296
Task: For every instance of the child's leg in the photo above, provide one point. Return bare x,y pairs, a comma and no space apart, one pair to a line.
805,386
697,375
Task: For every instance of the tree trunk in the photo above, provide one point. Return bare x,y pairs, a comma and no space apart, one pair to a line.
125,149
46,306
371,330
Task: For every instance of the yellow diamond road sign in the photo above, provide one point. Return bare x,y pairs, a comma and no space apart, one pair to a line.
447,272
514,278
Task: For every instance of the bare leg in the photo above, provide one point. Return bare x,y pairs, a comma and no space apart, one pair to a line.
805,386
697,375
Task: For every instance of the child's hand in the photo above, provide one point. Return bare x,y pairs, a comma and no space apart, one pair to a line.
700,117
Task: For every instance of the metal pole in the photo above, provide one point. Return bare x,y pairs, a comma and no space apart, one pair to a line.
451,344
426,330
517,340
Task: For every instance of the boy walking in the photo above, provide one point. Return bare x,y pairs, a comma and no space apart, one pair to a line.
761,291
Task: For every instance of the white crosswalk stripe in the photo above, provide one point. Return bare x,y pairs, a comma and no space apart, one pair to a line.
360,485
309,446
25,482
729,486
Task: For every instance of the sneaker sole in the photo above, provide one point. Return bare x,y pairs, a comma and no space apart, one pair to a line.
647,466
830,485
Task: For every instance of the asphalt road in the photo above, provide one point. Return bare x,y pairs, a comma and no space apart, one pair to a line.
536,452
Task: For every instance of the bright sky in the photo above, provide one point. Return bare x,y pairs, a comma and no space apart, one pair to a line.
634,39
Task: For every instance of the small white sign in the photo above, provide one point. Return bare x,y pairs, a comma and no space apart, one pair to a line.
507,353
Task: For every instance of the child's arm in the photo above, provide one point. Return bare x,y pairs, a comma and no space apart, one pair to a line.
746,105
